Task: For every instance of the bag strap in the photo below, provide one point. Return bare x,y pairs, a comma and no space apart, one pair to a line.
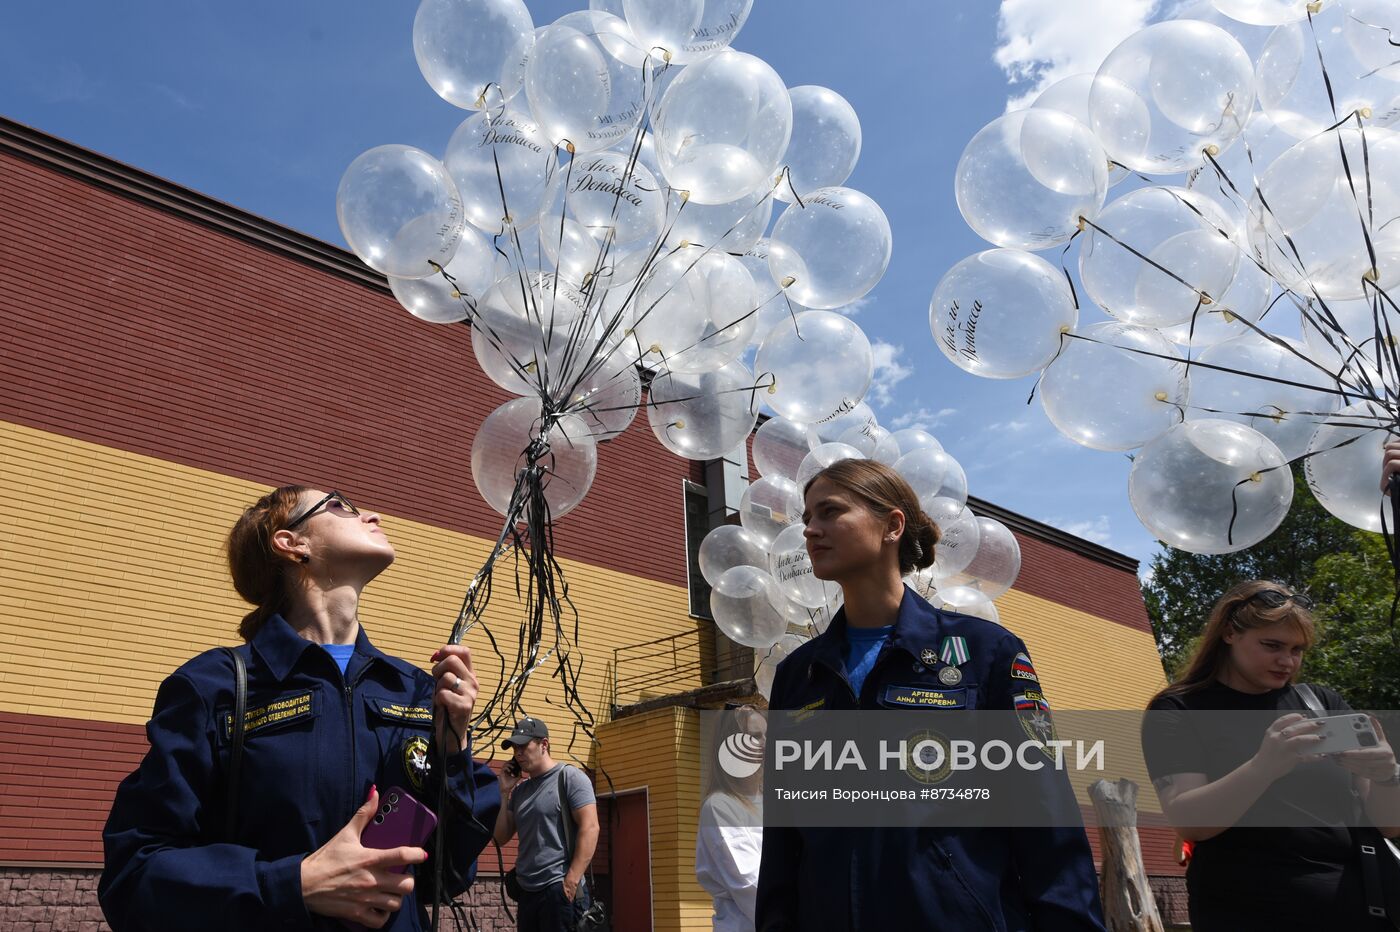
1305,692
235,755
566,816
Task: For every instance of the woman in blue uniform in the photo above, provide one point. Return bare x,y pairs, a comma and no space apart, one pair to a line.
888,649
330,723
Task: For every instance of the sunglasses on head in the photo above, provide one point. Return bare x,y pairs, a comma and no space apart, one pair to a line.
332,500
1272,598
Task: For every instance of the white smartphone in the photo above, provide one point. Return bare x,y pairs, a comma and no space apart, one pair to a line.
1346,732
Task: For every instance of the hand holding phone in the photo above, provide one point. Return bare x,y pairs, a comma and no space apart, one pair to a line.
400,821
1349,731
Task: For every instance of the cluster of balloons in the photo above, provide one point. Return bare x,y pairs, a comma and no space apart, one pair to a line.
603,219
1242,263
763,593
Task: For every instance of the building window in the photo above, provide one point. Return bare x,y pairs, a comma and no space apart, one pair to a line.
697,525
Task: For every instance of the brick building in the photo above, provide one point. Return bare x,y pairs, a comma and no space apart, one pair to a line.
167,358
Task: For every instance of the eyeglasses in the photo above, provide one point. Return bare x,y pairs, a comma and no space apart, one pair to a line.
333,500
1272,598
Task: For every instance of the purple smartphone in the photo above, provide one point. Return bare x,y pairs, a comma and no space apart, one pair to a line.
401,820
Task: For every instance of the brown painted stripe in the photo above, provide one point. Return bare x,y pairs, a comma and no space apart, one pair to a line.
1080,582
136,328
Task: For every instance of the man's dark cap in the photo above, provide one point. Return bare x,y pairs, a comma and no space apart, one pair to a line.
525,729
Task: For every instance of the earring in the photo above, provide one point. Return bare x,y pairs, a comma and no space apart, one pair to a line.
305,558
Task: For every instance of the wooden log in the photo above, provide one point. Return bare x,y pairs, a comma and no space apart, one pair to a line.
1128,904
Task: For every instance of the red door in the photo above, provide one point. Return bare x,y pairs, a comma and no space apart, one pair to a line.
622,863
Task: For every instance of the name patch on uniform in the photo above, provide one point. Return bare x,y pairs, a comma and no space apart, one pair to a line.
805,712
1021,669
398,712
287,709
925,698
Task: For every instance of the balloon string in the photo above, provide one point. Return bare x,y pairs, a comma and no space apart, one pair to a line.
1206,365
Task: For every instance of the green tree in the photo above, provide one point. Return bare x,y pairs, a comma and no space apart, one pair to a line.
1345,570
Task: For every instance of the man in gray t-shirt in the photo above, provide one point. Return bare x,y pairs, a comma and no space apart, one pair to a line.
552,877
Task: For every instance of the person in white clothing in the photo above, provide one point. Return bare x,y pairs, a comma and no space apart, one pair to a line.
729,843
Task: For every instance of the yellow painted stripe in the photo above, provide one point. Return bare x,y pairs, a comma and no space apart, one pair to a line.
111,576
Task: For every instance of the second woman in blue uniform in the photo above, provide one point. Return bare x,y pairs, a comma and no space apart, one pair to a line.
885,649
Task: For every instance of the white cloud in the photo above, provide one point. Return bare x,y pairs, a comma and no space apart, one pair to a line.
923,418
1014,426
1042,41
856,306
889,372
1095,530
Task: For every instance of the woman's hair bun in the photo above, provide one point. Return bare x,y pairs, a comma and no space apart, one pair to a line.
916,547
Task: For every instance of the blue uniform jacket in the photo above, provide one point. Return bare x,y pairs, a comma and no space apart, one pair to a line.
314,743
883,879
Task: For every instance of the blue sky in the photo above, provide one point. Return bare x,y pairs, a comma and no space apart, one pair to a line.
264,104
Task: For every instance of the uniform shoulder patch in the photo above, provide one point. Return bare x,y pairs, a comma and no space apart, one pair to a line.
1034,714
1021,668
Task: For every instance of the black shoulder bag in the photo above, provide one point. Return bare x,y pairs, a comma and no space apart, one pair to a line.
235,754
595,919
1380,869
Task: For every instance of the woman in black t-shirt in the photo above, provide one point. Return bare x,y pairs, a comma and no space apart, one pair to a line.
1275,852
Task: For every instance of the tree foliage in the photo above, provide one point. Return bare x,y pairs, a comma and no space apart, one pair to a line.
1345,570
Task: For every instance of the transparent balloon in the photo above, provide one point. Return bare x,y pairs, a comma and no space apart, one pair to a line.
873,442
1349,339
467,49
1002,313
769,505
619,205
959,534
498,456
817,365
500,161
1210,486
686,31
1264,12
744,604
822,457
1027,177
994,566
915,438
727,546
439,301
1237,313
1229,178
1173,228
722,127
1116,393
608,395
1292,87
825,142
1312,236
831,249
732,227
584,89
768,660
790,565
776,305
924,582
702,416
933,474
832,429
1169,93
966,601
528,332
1284,410
1070,96
399,211
779,446
1345,470
694,311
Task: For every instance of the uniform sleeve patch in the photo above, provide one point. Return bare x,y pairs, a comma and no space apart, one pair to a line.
921,697
399,712
1034,714
289,708
1021,668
